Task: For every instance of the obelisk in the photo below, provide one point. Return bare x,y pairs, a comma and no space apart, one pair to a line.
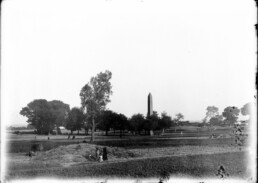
150,105
150,110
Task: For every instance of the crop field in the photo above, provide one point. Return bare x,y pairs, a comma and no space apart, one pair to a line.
190,152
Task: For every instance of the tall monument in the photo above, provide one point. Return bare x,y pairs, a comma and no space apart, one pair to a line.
150,105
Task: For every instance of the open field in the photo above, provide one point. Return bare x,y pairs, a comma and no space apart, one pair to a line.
190,136
17,146
188,166
191,153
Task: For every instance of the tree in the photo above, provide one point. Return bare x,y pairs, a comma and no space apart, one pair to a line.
179,116
212,111
95,96
136,123
60,111
216,120
151,122
231,115
87,124
106,119
164,122
120,123
247,109
44,115
75,120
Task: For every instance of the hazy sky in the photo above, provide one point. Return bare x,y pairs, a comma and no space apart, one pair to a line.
188,54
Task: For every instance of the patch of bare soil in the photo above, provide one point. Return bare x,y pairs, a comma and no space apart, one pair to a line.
81,153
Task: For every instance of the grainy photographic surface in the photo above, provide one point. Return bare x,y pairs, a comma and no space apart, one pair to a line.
128,91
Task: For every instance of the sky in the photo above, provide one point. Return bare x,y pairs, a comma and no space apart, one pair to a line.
187,54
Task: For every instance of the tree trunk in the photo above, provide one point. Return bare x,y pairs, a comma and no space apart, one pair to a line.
78,132
93,130
71,132
106,132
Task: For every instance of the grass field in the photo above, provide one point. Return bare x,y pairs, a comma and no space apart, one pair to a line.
189,152
187,166
190,136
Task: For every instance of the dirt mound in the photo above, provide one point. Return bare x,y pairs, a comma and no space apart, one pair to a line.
81,153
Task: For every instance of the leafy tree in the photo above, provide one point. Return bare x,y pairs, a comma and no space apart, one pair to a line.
75,120
212,111
120,123
95,96
136,123
106,119
60,111
87,124
179,116
231,115
44,115
151,122
164,122
216,120
247,109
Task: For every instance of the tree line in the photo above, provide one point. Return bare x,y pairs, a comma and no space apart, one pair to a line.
229,116
45,115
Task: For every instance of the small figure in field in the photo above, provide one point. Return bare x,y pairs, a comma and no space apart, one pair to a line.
68,136
97,153
74,137
48,138
35,137
105,154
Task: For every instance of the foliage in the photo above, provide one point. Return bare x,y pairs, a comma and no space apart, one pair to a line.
212,111
179,116
44,115
95,96
136,123
231,115
151,122
121,123
216,120
60,110
165,121
109,119
75,120
105,120
247,110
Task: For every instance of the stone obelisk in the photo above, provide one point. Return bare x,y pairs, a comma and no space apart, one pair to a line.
150,110
150,105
